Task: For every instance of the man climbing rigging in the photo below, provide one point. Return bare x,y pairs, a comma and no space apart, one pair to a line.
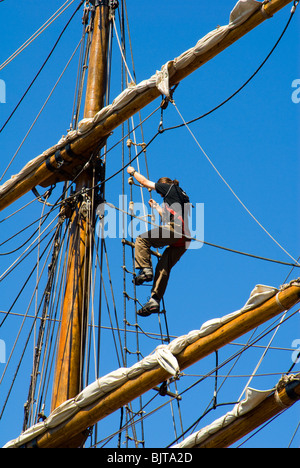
174,213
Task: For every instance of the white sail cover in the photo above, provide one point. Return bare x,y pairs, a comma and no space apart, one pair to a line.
164,356
252,399
241,12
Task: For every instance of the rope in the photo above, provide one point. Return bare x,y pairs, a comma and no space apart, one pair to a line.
29,276
41,110
41,333
41,68
227,360
297,265
246,82
18,260
232,191
37,33
121,44
22,325
121,51
262,357
294,435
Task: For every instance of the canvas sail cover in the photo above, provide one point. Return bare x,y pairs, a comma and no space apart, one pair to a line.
241,12
164,356
252,399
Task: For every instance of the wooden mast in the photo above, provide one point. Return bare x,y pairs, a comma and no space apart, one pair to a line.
204,346
97,74
67,379
86,144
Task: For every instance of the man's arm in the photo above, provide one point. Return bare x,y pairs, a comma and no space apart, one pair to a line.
140,178
156,206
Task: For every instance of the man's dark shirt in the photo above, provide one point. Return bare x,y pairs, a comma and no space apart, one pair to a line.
174,197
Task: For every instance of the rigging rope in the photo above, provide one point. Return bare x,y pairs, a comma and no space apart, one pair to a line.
121,44
237,355
295,265
162,130
22,325
29,276
41,68
37,33
121,51
262,356
128,408
232,191
146,415
41,110
293,11
18,260
39,343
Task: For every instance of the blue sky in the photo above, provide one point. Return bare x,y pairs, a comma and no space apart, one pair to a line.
253,141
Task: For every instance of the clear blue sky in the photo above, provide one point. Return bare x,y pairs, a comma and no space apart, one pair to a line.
253,141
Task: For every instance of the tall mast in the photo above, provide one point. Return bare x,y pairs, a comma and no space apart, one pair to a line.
69,361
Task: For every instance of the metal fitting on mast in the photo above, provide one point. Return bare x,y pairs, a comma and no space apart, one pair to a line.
113,4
